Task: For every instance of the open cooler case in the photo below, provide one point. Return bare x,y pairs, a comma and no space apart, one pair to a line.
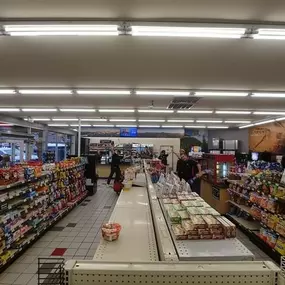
218,166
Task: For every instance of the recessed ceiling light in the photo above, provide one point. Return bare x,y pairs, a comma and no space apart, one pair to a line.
80,110
234,112
151,121
264,122
44,91
7,91
246,126
126,126
195,112
195,127
209,121
9,110
65,119
171,126
162,93
149,126
122,120
93,120
103,92
217,127
58,125
269,113
237,122
268,95
155,111
103,126
220,94
116,110
39,110
180,121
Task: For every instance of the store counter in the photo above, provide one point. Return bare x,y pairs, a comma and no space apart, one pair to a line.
103,170
215,195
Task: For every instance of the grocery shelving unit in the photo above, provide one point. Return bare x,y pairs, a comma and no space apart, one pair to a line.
146,253
27,210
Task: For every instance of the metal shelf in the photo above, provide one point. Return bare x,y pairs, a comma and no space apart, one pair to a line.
137,239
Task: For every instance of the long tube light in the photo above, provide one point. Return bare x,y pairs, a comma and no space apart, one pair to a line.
82,125
209,121
39,110
41,119
61,30
65,119
103,92
103,126
268,95
280,119
200,32
7,91
264,122
151,121
116,110
126,126
195,112
234,112
9,110
180,121
122,120
44,91
149,126
195,127
93,120
82,110
163,93
269,113
237,122
58,125
172,126
217,127
220,94
270,34
155,111
246,126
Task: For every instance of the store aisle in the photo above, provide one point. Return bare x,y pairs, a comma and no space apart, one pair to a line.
75,236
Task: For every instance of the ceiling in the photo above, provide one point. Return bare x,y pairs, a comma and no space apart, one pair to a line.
142,62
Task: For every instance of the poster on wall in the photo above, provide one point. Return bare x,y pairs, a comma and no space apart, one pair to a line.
270,137
193,138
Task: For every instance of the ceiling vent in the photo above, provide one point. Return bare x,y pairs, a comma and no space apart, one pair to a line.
183,103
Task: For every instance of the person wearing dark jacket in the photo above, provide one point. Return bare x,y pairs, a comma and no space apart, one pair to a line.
163,157
180,163
115,166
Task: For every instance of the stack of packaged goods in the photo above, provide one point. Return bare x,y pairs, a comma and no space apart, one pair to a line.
190,216
260,197
44,194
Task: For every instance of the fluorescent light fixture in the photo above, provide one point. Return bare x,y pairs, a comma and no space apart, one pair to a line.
58,125
82,125
195,112
234,112
6,125
270,34
171,126
65,119
75,130
149,126
264,122
7,91
103,126
220,94
103,92
237,122
41,119
280,119
126,126
200,32
209,121
39,110
44,91
122,120
163,93
180,121
9,109
195,127
77,110
151,121
246,126
269,113
268,95
116,110
93,120
155,111
61,30
217,127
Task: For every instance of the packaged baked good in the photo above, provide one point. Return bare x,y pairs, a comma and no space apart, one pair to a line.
168,207
211,221
226,227
166,201
189,227
174,201
193,237
179,232
280,245
198,221
178,207
206,236
183,214
188,203
204,232
193,210
174,216
218,236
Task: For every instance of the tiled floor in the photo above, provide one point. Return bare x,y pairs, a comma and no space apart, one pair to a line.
77,236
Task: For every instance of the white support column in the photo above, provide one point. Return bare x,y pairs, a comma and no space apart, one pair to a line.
79,138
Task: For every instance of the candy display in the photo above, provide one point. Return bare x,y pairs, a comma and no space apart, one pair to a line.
111,231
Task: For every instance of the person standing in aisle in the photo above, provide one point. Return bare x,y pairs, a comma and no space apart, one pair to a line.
115,166
180,163
163,157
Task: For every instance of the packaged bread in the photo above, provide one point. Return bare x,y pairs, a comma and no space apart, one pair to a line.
211,221
213,212
166,201
173,216
226,227
193,237
204,232
193,210
198,221
174,201
206,236
183,214
179,232
178,207
187,203
232,227
205,205
218,236
182,197
188,227
168,207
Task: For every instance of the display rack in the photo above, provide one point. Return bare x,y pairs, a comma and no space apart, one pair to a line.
31,206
